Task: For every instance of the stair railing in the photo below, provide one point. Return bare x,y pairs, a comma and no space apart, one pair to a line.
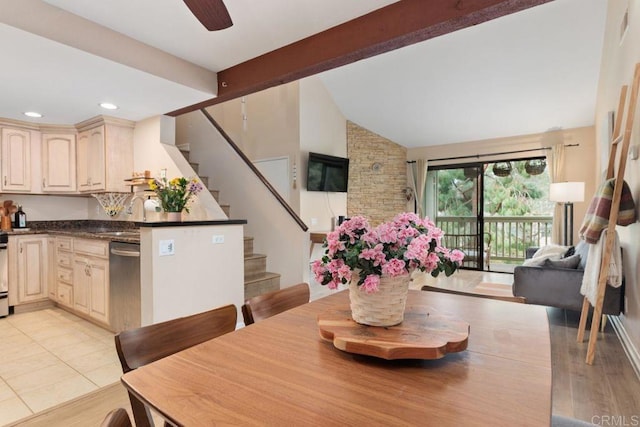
255,170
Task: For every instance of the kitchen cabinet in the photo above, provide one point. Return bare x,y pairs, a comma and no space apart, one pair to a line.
52,284
104,156
90,160
63,271
91,278
28,269
16,160
58,162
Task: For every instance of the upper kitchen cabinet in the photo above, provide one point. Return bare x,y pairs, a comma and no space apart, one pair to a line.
59,162
91,160
104,156
16,160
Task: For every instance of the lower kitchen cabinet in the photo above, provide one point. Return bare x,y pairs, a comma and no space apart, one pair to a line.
91,279
73,272
62,266
28,269
64,295
52,282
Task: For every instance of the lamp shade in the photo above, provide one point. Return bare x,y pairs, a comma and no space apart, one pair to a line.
566,192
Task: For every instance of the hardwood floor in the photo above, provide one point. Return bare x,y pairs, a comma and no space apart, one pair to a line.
606,393
88,410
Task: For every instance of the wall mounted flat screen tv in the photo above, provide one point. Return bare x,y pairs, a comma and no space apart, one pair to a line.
327,173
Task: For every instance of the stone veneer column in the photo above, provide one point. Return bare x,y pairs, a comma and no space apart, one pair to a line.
377,175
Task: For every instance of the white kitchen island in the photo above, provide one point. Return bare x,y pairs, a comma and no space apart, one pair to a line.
190,267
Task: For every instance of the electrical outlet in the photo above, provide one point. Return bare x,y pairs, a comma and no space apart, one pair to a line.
167,247
314,221
217,239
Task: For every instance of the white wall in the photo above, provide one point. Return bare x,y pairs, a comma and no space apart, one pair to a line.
323,129
618,61
154,149
52,208
199,277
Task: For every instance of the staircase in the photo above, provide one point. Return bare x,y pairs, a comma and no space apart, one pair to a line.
257,280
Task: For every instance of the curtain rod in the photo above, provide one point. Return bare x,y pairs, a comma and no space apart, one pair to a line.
477,156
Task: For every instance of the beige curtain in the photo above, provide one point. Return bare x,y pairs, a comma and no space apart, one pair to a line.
556,162
419,183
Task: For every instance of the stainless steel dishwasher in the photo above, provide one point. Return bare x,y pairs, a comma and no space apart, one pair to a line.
124,285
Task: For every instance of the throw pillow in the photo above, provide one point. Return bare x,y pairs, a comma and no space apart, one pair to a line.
571,251
546,252
570,262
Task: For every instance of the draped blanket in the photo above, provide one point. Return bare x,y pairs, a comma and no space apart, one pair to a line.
597,217
591,275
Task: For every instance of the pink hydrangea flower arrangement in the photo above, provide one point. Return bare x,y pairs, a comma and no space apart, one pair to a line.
392,249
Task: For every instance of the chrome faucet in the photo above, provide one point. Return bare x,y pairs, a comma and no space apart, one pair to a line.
130,208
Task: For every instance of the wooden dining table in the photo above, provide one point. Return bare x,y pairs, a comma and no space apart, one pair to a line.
281,372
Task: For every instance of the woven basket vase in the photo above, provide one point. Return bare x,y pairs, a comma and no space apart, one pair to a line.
382,308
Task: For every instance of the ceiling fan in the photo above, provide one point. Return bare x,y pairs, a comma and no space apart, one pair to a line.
212,14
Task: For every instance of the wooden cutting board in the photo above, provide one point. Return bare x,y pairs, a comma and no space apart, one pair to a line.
424,334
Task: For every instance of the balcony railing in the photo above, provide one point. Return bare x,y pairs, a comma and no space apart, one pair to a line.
506,237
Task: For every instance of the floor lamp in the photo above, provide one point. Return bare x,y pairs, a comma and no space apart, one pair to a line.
567,193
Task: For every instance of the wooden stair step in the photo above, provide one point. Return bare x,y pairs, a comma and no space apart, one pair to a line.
248,246
257,280
266,283
255,266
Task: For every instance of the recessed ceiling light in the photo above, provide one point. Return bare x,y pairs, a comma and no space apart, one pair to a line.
32,114
108,106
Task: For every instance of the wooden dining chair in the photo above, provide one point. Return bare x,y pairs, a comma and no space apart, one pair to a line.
117,418
266,305
138,347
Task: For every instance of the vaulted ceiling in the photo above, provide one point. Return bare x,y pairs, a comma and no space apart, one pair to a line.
524,72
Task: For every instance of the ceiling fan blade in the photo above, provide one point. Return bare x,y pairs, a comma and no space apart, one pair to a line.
212,14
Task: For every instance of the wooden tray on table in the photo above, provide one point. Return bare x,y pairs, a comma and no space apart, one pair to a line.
424,334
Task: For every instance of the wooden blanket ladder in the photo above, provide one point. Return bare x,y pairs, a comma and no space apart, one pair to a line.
615,208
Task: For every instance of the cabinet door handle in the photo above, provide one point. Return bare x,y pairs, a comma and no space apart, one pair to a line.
44,182
5,180
20,247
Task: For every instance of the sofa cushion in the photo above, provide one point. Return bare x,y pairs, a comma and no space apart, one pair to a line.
570,262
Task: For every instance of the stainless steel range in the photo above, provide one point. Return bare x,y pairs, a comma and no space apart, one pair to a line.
4,276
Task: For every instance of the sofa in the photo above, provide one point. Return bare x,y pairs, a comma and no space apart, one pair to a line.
557,282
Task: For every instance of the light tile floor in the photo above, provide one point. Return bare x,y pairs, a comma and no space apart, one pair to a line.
48,357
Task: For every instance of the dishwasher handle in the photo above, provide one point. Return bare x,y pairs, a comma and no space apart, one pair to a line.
121,252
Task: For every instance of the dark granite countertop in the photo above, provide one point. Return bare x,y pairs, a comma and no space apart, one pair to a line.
89,229
106,230
192,223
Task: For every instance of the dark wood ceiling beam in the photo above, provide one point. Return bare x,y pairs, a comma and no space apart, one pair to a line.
400,24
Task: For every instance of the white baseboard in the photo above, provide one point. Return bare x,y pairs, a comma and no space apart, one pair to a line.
630,350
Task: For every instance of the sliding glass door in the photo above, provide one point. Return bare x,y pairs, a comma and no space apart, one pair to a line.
456,203
492,211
